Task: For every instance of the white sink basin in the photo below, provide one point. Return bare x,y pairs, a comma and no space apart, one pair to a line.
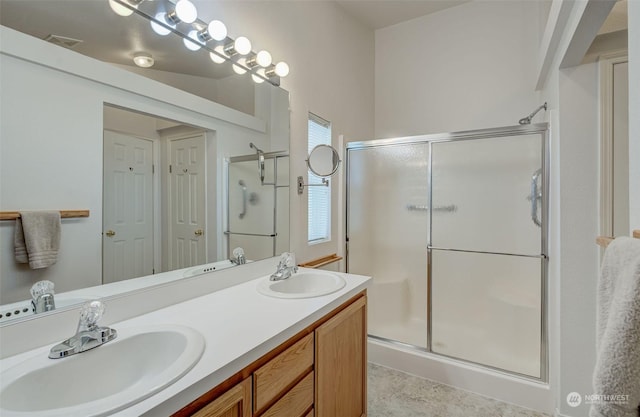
137,364
304,284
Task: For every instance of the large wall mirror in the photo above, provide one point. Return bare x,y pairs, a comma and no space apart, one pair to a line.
173,182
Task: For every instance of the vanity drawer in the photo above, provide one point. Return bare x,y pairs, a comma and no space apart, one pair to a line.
295,402
276,375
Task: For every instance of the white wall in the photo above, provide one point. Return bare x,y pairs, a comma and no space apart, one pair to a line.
578,226
467,67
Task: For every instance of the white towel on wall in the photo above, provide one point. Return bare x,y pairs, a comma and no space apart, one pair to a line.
617,370
37,238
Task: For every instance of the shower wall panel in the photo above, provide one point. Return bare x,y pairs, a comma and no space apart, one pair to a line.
387,222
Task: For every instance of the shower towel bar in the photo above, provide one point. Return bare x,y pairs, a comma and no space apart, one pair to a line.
65,214
423,207
319,262
605,240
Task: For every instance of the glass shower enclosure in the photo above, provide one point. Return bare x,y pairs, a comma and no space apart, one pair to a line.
258,205
452,228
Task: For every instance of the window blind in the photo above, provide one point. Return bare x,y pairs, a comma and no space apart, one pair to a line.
319,198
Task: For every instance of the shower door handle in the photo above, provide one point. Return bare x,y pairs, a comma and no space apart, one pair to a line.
534,197
261,167
244,199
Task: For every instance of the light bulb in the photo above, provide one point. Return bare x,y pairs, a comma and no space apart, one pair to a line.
143,59
159,29
217,58
242,45
186,11
193,43
282,69
217,30
119,9
256,77
238,69
263,58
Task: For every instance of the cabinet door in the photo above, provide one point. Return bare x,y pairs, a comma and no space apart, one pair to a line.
341,363
234,403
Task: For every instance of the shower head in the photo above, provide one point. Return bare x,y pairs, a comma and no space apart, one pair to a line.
527,120
252,146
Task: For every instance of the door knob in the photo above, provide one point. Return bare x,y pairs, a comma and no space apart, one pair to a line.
199,232
110,233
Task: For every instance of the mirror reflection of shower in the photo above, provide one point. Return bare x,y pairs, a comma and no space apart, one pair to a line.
257,204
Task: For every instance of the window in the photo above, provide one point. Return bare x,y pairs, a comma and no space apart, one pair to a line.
319,197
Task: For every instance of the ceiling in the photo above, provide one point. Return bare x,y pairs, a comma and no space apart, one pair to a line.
617,19
377,14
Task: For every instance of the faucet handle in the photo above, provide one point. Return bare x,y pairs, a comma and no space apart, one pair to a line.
41,288
239,257
287,260
90,313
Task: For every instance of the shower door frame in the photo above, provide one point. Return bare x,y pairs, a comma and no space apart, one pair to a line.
518,130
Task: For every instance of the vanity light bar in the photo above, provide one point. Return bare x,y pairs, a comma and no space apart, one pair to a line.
212,37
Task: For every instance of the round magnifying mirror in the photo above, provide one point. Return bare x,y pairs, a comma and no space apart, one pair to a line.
323,160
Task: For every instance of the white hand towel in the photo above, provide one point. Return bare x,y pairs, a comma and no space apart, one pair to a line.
19,246
617,370
37,238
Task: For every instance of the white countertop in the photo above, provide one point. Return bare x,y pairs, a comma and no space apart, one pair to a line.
239,326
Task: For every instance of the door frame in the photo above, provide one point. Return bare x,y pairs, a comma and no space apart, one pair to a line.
606,64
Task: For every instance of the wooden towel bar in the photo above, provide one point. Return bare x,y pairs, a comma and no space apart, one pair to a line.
605,240
65,214
325,260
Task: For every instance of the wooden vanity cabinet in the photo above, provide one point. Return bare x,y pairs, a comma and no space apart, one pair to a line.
341,363
236,402
320,372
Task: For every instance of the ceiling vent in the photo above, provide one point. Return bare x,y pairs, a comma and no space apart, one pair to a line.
63,41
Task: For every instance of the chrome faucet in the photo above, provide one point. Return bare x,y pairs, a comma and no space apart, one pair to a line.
239,257
42,298
88,335
286,267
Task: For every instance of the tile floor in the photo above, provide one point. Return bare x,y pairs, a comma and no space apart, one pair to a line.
396,394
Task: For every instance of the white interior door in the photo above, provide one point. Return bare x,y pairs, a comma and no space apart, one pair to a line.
187,203
127,249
